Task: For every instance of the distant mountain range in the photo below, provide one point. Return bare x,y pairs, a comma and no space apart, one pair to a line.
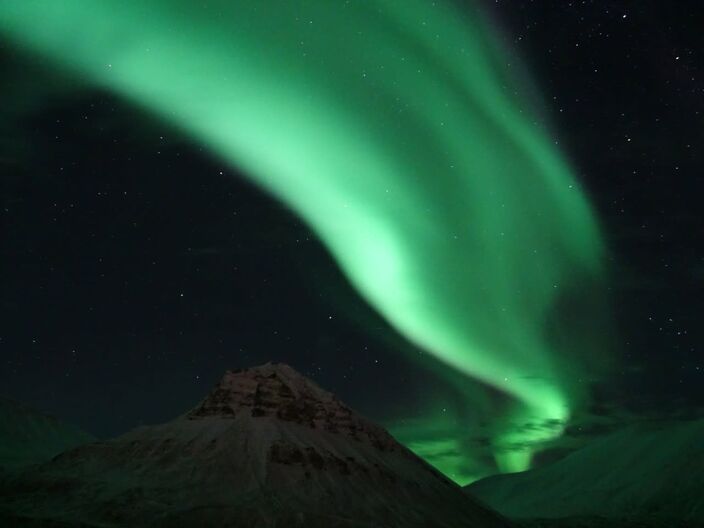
267,447
646,475
28,436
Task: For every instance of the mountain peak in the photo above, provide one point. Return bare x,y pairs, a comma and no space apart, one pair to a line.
260,391
266,447
284,374
277,391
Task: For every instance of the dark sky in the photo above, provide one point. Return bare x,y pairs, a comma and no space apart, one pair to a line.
135,268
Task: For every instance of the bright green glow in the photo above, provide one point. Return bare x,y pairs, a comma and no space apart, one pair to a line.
392,129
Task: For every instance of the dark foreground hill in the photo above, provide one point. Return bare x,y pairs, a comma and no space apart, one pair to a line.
28,436
646,475
266,447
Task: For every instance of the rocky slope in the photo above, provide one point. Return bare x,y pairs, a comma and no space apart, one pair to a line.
266,447
649,475
28,436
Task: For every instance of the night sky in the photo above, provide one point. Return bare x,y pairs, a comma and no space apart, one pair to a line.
137,265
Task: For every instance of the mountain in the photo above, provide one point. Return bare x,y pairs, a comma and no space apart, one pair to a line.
267,447
645,475
28,436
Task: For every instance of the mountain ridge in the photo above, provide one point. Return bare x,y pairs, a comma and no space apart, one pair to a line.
265,447
29,436
643,473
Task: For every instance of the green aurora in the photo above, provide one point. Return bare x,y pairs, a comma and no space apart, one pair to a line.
396,131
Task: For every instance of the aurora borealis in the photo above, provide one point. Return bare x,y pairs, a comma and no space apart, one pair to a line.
397,132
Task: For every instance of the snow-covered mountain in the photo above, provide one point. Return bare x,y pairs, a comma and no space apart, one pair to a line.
266,447
28,436
648,474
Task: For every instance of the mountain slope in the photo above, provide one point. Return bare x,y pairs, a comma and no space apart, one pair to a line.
29,437
653,472
266,447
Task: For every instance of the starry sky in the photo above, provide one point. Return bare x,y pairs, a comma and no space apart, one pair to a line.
138,265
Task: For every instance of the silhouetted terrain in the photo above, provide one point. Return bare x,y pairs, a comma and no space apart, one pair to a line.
28,436
266,447
646,475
